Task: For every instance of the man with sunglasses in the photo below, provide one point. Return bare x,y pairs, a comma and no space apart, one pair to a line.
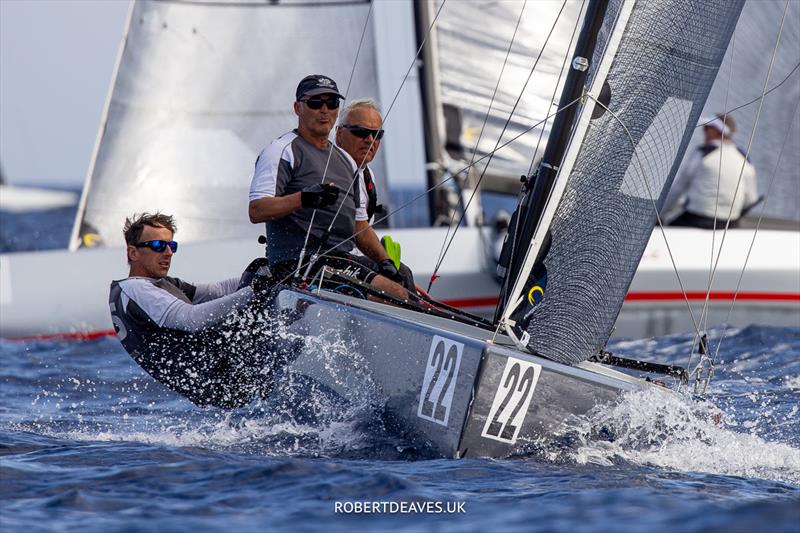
303,188
183,334
359,134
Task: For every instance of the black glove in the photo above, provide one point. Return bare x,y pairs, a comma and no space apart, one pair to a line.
408,278
319,195
387,269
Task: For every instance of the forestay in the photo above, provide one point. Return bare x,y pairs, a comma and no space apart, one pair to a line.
659,60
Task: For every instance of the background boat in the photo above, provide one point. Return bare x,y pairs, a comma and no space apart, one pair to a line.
172,143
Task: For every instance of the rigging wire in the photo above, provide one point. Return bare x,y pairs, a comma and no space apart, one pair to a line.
384,121
480,136
758,225
558,81
757,98
506,277
508,310
706,301
330,144
747,153
499,140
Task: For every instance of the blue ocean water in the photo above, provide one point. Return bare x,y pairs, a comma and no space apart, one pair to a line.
89,442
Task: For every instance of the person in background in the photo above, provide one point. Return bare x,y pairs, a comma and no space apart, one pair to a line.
288,194
180,332
706,186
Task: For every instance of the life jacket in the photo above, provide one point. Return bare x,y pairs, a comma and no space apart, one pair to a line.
206,366
372,196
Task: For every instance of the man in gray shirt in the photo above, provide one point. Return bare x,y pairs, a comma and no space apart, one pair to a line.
304,187
180,333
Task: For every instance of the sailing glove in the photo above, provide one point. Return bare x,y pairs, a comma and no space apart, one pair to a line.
387,269
319,195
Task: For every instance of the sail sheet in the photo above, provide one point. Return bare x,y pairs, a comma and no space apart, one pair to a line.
201,88
659,61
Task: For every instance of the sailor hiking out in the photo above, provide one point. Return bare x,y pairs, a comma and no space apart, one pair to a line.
212,343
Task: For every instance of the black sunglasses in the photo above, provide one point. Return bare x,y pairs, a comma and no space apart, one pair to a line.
317,103
158,246
362,132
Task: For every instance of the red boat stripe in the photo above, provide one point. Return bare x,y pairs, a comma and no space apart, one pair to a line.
71,336
701,295
657,296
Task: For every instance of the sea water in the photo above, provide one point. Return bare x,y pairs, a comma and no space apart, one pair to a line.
89,442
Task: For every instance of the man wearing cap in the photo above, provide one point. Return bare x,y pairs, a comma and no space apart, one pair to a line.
708,186
303,181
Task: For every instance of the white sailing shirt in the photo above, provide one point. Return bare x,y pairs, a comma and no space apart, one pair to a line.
710,168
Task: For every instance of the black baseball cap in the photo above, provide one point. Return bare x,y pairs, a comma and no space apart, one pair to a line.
316,84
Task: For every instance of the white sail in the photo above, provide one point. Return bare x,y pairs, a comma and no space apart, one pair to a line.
473,39
201,88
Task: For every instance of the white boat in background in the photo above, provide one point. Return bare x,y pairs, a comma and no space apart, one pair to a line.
182,128
15,199
61,294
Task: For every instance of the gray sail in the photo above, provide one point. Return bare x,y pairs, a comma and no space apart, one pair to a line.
659,60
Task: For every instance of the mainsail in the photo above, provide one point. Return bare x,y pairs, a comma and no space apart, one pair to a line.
655,63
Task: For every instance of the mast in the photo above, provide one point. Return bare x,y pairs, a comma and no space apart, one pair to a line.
431,100
537,186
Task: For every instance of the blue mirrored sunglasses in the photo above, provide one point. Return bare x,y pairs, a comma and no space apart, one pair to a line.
159,245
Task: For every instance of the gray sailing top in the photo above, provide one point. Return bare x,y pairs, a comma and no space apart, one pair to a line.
288,165
177,333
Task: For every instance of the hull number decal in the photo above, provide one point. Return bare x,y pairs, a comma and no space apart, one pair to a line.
511,401
439,383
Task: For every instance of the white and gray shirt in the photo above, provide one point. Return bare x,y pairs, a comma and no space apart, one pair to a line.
175,304
288,165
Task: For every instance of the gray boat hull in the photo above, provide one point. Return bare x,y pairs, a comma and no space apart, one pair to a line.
443,385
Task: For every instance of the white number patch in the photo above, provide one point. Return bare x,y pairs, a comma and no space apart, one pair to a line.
511,400
439,383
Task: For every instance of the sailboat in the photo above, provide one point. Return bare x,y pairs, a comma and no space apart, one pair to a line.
639,78
183,124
